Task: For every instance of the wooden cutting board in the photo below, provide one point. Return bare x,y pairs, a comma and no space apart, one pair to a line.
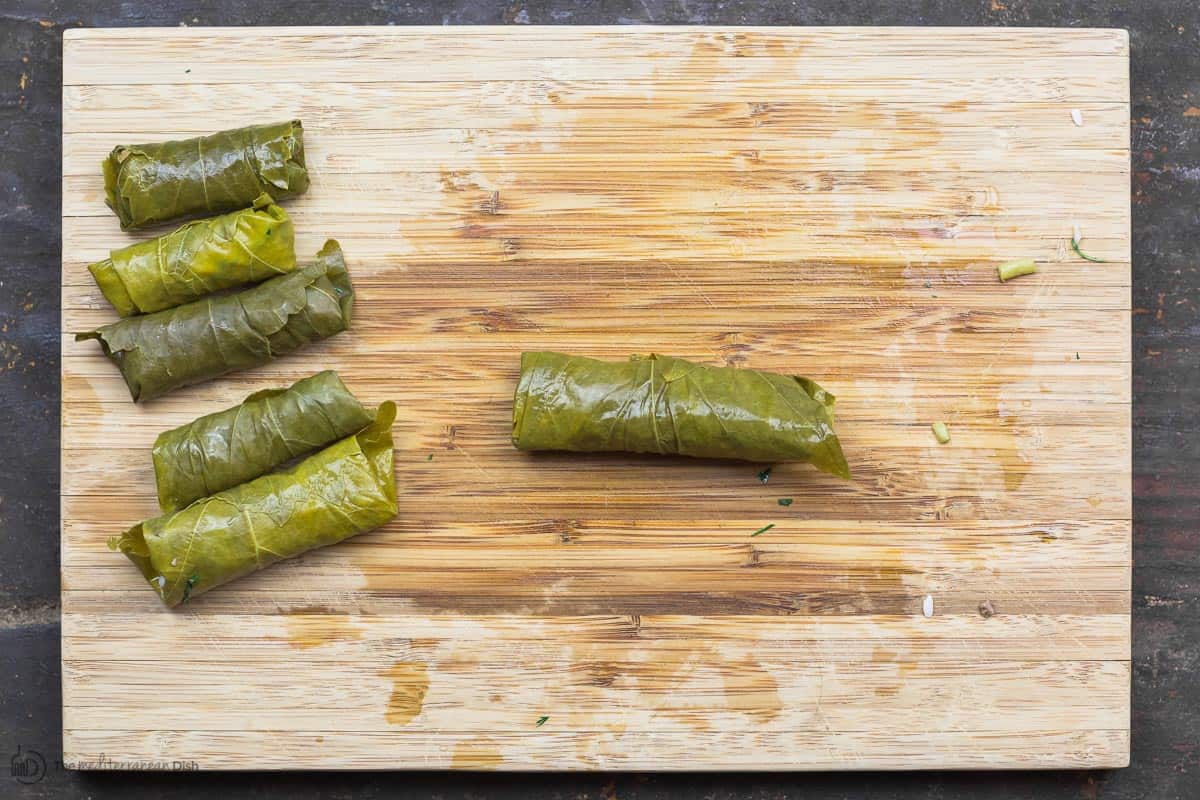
828,201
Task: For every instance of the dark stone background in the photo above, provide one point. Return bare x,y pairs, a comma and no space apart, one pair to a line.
1165,38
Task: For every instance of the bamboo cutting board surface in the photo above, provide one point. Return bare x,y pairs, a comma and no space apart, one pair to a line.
826,201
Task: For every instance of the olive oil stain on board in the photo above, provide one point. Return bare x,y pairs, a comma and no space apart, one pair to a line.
477,195
308,628
751,689
690,685
410,683
479,753
1013,401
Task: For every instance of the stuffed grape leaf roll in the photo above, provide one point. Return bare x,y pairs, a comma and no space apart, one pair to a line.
221,450
660,404
209,337
346,489
201,257
145,184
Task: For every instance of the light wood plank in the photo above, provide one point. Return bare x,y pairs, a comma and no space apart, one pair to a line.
629,750
332,632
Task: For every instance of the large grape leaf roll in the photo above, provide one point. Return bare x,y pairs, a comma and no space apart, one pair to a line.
346,489
145,184
221,450
215,335
201,257
660,404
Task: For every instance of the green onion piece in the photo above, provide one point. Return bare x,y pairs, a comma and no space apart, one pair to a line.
785,501
764,475
1015,269
1083,255
763,529
941,432
541,721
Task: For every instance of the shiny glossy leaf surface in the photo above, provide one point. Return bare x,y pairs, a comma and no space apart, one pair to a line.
660,404
219,451
346,489
215,335
200,257
147,184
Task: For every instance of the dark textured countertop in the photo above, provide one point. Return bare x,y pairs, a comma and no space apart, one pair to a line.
1165,42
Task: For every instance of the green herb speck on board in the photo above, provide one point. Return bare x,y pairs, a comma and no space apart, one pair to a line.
430,457
187,588
785,501
764,475
763,529
541,721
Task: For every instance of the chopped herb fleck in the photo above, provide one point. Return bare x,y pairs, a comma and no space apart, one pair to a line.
928,284
785,501
187,587
763,529
764,475
541,721
941,432
1077,356
430,457
1083,255
1015,269
189,69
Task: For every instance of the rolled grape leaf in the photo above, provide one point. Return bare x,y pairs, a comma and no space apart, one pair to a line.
201,257
221,450
209,337
660,404
346,489
145,184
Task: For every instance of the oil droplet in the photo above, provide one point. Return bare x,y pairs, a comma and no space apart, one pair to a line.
410,682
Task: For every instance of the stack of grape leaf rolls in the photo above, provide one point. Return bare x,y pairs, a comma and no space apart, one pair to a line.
180,323
227,514
225,332
287,470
